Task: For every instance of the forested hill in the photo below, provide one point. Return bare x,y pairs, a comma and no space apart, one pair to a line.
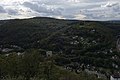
75,46
36,32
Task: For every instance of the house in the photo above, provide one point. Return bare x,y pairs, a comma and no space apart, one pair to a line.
74,43
49,53
7,54
75,37
115,57
7,50
19,53
115,76
115,65
118,44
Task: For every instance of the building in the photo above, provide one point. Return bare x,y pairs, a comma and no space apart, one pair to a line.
115,76
6,50
49,53
118,44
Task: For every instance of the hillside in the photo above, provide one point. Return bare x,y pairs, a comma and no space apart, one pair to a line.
27,33
73,43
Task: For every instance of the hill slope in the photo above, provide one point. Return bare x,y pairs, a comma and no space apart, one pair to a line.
87,42
29,32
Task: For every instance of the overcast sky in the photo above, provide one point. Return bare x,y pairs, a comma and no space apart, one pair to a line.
62,9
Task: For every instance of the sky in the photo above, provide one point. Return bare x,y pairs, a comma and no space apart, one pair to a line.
61,9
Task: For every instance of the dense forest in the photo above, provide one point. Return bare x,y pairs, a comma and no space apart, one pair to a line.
50,49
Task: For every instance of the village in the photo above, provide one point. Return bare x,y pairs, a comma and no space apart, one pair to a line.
75,66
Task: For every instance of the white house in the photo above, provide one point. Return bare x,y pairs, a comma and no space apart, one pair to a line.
115,77
6,50
49,53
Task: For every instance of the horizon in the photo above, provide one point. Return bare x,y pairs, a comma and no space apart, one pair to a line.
104,10
59,19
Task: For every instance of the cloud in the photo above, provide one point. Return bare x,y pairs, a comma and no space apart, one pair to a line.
2,10
110,4
12,12
67,9
43,8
